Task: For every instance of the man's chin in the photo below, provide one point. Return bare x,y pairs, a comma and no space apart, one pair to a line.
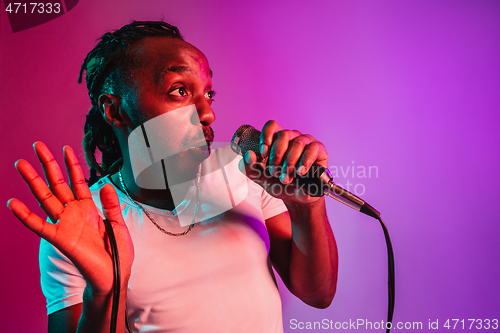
201,152
184,166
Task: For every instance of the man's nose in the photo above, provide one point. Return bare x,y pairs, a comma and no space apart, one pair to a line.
205,112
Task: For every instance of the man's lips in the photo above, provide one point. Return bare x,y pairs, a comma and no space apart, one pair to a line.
206,141
208,132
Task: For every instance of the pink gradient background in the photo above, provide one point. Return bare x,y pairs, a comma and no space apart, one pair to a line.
410,87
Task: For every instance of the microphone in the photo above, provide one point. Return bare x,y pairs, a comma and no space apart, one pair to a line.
317,182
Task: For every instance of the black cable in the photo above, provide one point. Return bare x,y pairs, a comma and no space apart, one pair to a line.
116,276
390,275
127,325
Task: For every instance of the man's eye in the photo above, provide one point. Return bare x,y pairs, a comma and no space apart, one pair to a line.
210,95
180,92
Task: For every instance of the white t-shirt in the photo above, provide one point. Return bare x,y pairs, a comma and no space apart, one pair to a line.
216,278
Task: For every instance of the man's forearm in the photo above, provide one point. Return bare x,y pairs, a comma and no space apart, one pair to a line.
314,258
96,313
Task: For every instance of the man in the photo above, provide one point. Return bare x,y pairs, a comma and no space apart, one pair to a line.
211,276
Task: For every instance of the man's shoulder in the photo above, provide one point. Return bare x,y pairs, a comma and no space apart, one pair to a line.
99,184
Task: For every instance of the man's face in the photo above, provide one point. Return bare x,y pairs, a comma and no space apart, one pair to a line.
173,74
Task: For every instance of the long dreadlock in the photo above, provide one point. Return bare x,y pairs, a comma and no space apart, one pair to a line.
110,63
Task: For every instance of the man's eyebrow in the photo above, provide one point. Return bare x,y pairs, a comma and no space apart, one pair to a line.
175,69
180,69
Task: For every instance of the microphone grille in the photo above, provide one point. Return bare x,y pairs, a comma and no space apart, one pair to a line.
246,138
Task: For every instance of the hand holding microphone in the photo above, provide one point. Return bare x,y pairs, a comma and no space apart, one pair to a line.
293,166
275,156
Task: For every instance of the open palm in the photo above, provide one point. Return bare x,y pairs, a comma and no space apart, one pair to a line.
77,229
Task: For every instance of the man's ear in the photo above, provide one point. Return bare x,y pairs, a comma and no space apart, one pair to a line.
111,108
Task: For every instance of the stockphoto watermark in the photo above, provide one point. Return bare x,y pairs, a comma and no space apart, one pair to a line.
356,324
429,325
352,177
171,151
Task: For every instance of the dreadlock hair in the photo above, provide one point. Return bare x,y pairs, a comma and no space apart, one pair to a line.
108,65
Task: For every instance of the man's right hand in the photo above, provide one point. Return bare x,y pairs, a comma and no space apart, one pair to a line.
77,229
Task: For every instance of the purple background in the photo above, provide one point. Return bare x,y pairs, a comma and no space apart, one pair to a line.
412,88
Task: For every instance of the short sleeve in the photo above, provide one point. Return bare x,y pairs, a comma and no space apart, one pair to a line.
62,283
271,206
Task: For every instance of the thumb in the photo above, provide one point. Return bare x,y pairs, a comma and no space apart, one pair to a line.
251,167
256,171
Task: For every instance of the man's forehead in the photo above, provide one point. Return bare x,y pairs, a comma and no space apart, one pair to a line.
171,55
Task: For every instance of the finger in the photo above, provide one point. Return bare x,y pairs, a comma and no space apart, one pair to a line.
46,199
315,152
267,135
279,149
75,174
53,174
296,148
32,221
255,171
111,204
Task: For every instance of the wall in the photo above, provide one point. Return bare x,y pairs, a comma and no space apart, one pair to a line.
407,88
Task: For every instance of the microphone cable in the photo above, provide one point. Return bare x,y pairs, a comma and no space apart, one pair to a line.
390,276
116,276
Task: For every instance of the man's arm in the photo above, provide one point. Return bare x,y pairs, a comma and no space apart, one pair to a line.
96,312
65,320
303,248
304,253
